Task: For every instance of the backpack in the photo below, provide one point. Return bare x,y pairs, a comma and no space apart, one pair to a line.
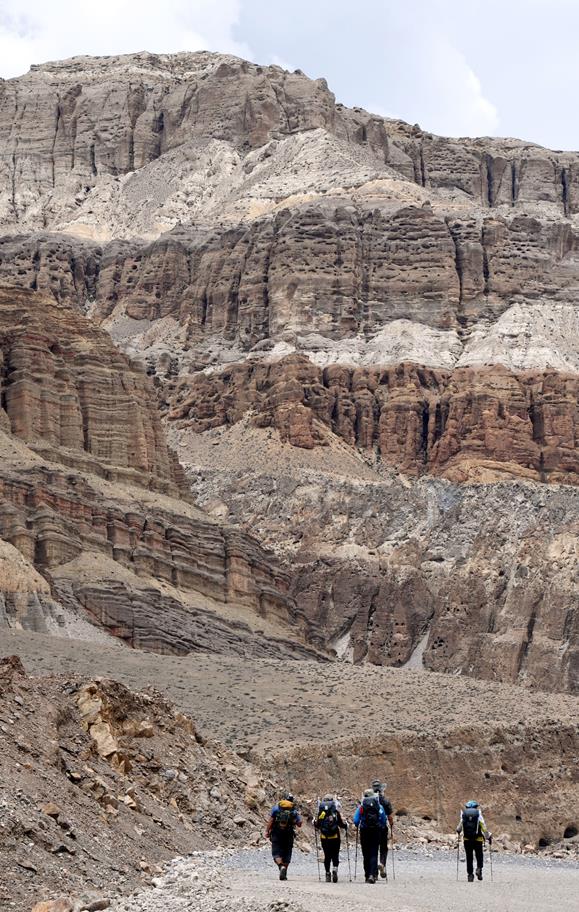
285,816
370,813
470,821
328,820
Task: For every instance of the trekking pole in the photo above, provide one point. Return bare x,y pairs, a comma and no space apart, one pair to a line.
491,858
348,854
392,852
356,857
316,835
457,853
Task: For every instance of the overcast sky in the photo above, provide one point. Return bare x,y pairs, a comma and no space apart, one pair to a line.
456,67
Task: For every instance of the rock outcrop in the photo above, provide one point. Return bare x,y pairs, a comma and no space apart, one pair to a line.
63,386
433,772
127,782
85,126
91,526
461,425
476,579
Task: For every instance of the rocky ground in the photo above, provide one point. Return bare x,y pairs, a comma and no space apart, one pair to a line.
424,882
362,340
99,784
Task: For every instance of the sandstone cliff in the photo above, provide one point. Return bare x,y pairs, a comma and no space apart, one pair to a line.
63,386
460,425
83,482
320,278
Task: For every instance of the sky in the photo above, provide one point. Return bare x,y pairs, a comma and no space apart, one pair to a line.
456,67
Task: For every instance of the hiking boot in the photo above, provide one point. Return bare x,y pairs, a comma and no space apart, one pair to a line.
334,876
328,877
371,879
282,872
479,873
470,878
382,869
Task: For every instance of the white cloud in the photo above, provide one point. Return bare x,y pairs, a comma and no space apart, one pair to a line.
33,31
456,96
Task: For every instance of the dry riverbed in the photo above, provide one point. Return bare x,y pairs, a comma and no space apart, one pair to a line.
425,881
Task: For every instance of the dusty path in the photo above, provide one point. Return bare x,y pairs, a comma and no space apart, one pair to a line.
425,882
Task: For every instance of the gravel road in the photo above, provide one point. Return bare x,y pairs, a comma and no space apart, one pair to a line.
425,882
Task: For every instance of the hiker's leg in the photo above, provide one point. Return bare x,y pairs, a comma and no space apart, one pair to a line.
468,851
277,850
364,843
335,852
480,855
327,855
383,846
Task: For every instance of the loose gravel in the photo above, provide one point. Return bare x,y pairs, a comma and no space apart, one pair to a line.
425,881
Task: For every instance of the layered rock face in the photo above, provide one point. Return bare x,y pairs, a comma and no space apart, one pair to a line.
78,421
457,424
300,277
156,582
84,124
474,580
64,386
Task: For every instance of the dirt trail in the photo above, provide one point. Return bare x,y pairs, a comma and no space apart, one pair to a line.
425,882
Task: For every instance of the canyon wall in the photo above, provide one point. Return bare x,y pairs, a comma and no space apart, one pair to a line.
356,332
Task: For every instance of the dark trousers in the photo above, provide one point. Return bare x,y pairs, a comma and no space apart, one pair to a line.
383,846
282,845
370,844
331,849
472,846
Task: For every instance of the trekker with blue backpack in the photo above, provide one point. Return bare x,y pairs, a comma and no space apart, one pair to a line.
328,823
370,819
474,831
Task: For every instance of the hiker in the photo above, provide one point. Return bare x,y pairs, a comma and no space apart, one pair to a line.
283,820
474,829
379,788
370,818
329,821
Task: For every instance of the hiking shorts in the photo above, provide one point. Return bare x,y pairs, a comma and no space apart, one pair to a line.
282,846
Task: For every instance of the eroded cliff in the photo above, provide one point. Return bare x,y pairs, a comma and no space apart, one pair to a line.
298,276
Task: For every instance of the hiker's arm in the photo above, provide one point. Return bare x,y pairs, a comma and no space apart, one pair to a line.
269,826
459,827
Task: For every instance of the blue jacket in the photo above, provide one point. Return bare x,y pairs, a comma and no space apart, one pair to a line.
359,817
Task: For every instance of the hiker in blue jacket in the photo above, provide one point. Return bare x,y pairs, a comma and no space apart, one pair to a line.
370,819
283,820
